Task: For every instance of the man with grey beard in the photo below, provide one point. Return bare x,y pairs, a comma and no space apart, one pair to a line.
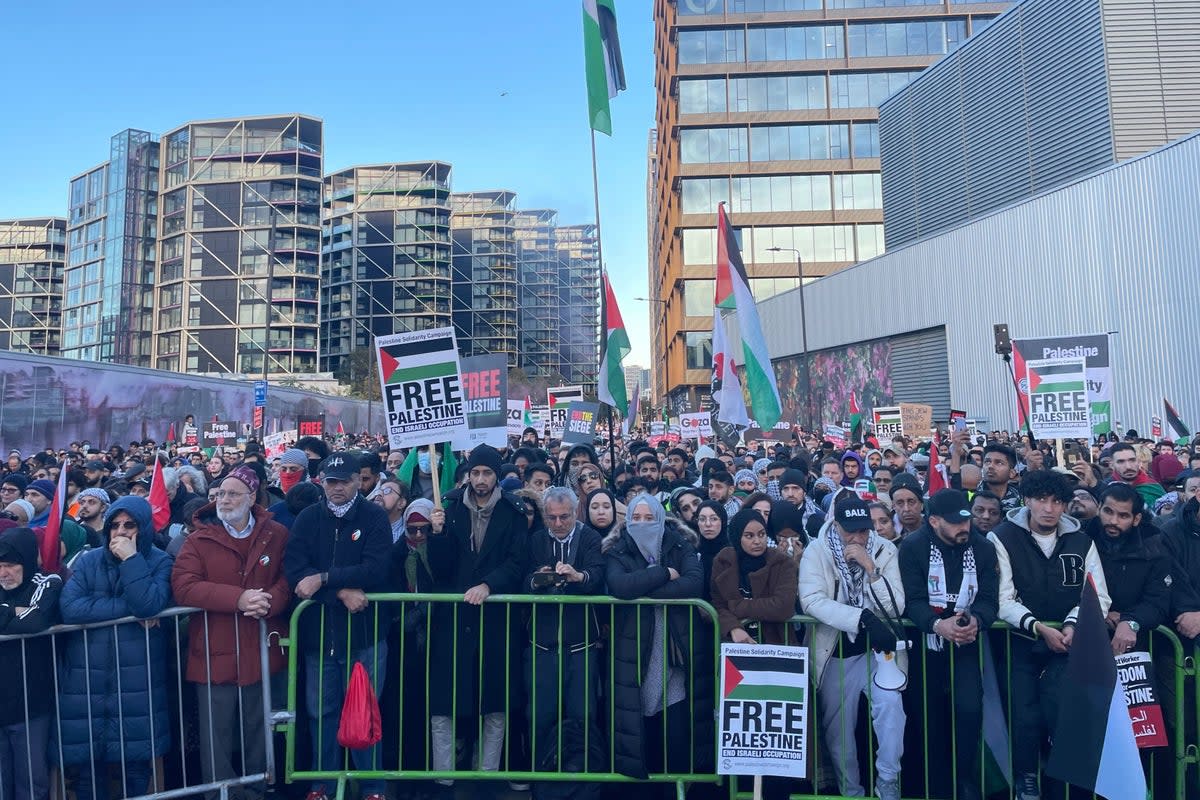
232,567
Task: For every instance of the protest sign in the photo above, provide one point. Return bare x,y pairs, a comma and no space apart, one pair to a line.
558,400
764,710
191,436
274,444
515,421
1136,673
658,428
836,434
422,395
484,381
1093,349
219,434
916,420
311,425
1058,398
1156,428
697,425
782,432
887,423
257,420
580,425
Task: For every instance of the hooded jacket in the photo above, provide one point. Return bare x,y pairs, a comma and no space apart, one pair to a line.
689,637
1036,587
211,573
112,689
26,667
1181,539
850,455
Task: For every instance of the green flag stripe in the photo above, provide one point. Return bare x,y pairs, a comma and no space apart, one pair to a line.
1057,369
791,694
424,371
1046,388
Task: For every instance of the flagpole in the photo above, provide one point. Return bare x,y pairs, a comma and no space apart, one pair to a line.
612,448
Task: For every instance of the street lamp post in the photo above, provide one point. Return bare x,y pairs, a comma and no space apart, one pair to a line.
803,335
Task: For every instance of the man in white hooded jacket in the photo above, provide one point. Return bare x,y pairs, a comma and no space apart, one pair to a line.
850,582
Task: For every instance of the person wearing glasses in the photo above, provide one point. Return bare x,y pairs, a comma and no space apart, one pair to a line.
392,496
231,565
115,712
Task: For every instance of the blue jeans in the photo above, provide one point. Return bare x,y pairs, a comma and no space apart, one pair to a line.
326,677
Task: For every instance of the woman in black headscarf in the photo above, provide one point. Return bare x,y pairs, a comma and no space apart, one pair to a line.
600,511
754,592
712,523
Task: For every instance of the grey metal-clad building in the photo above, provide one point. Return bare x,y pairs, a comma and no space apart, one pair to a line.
1117,251
1050,91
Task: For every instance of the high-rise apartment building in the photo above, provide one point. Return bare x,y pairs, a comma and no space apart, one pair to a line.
578,304
538,268
387,255
483,229
239,239
32,259
108,305
771,107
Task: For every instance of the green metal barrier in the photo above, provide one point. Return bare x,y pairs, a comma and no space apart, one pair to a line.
1181,755
407,621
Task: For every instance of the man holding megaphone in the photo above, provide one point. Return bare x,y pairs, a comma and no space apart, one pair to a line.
850,582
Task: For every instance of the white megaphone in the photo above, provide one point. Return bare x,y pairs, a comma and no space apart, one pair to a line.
887,674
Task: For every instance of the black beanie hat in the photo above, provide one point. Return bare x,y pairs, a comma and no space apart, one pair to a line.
485,456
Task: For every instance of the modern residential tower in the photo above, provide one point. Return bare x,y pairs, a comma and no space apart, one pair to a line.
771,107
483,229
32,257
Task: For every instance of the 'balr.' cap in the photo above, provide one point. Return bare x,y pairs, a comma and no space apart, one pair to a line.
852,514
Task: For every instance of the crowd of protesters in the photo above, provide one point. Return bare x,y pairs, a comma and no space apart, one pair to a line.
850,537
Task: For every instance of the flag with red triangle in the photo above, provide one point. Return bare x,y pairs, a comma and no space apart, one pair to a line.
855,419
341,429
49,546
614,346
160,501
937,479
776,677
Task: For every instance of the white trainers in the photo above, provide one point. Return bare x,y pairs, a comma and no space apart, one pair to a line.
887,790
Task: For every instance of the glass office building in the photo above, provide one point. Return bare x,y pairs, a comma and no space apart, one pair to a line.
239,241
385,244
108,301
770,106
32,260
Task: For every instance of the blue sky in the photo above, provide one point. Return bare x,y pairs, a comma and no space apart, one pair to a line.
496,89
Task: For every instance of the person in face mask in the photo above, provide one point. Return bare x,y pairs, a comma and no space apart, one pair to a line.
656,651
293,468
417,473
315,451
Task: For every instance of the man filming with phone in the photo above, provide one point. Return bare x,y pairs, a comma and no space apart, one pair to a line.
566,559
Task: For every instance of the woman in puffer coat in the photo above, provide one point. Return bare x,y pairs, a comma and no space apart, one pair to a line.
653,555
112,689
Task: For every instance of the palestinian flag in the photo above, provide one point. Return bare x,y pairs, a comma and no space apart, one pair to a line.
1094,747
527,414
733,294
855,419
763,678
629,421
726,386
602,57
1178,425
613,349
1065,377
422,359
937,478
171,433
49,545
160,501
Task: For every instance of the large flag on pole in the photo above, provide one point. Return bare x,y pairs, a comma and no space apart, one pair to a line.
602,54
733,294
855,419
49,546
613,349
1094,747
1175,421
726,386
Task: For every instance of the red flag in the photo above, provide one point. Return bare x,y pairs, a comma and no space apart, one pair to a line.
937,476
171,433
160,503
49,546
340,428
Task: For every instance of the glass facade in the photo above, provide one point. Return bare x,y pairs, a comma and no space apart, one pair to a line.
240,235
776,116
484,260
386,255
108,306
32,260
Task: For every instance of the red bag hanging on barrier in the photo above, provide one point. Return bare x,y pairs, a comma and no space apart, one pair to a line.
360,726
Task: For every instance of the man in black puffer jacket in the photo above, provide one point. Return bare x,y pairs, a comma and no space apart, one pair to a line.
28,604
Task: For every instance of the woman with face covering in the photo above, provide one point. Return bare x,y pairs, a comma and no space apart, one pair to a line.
601,511
662,675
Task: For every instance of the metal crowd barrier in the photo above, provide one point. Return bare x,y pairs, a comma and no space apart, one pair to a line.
412,626
173,770
1170,771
